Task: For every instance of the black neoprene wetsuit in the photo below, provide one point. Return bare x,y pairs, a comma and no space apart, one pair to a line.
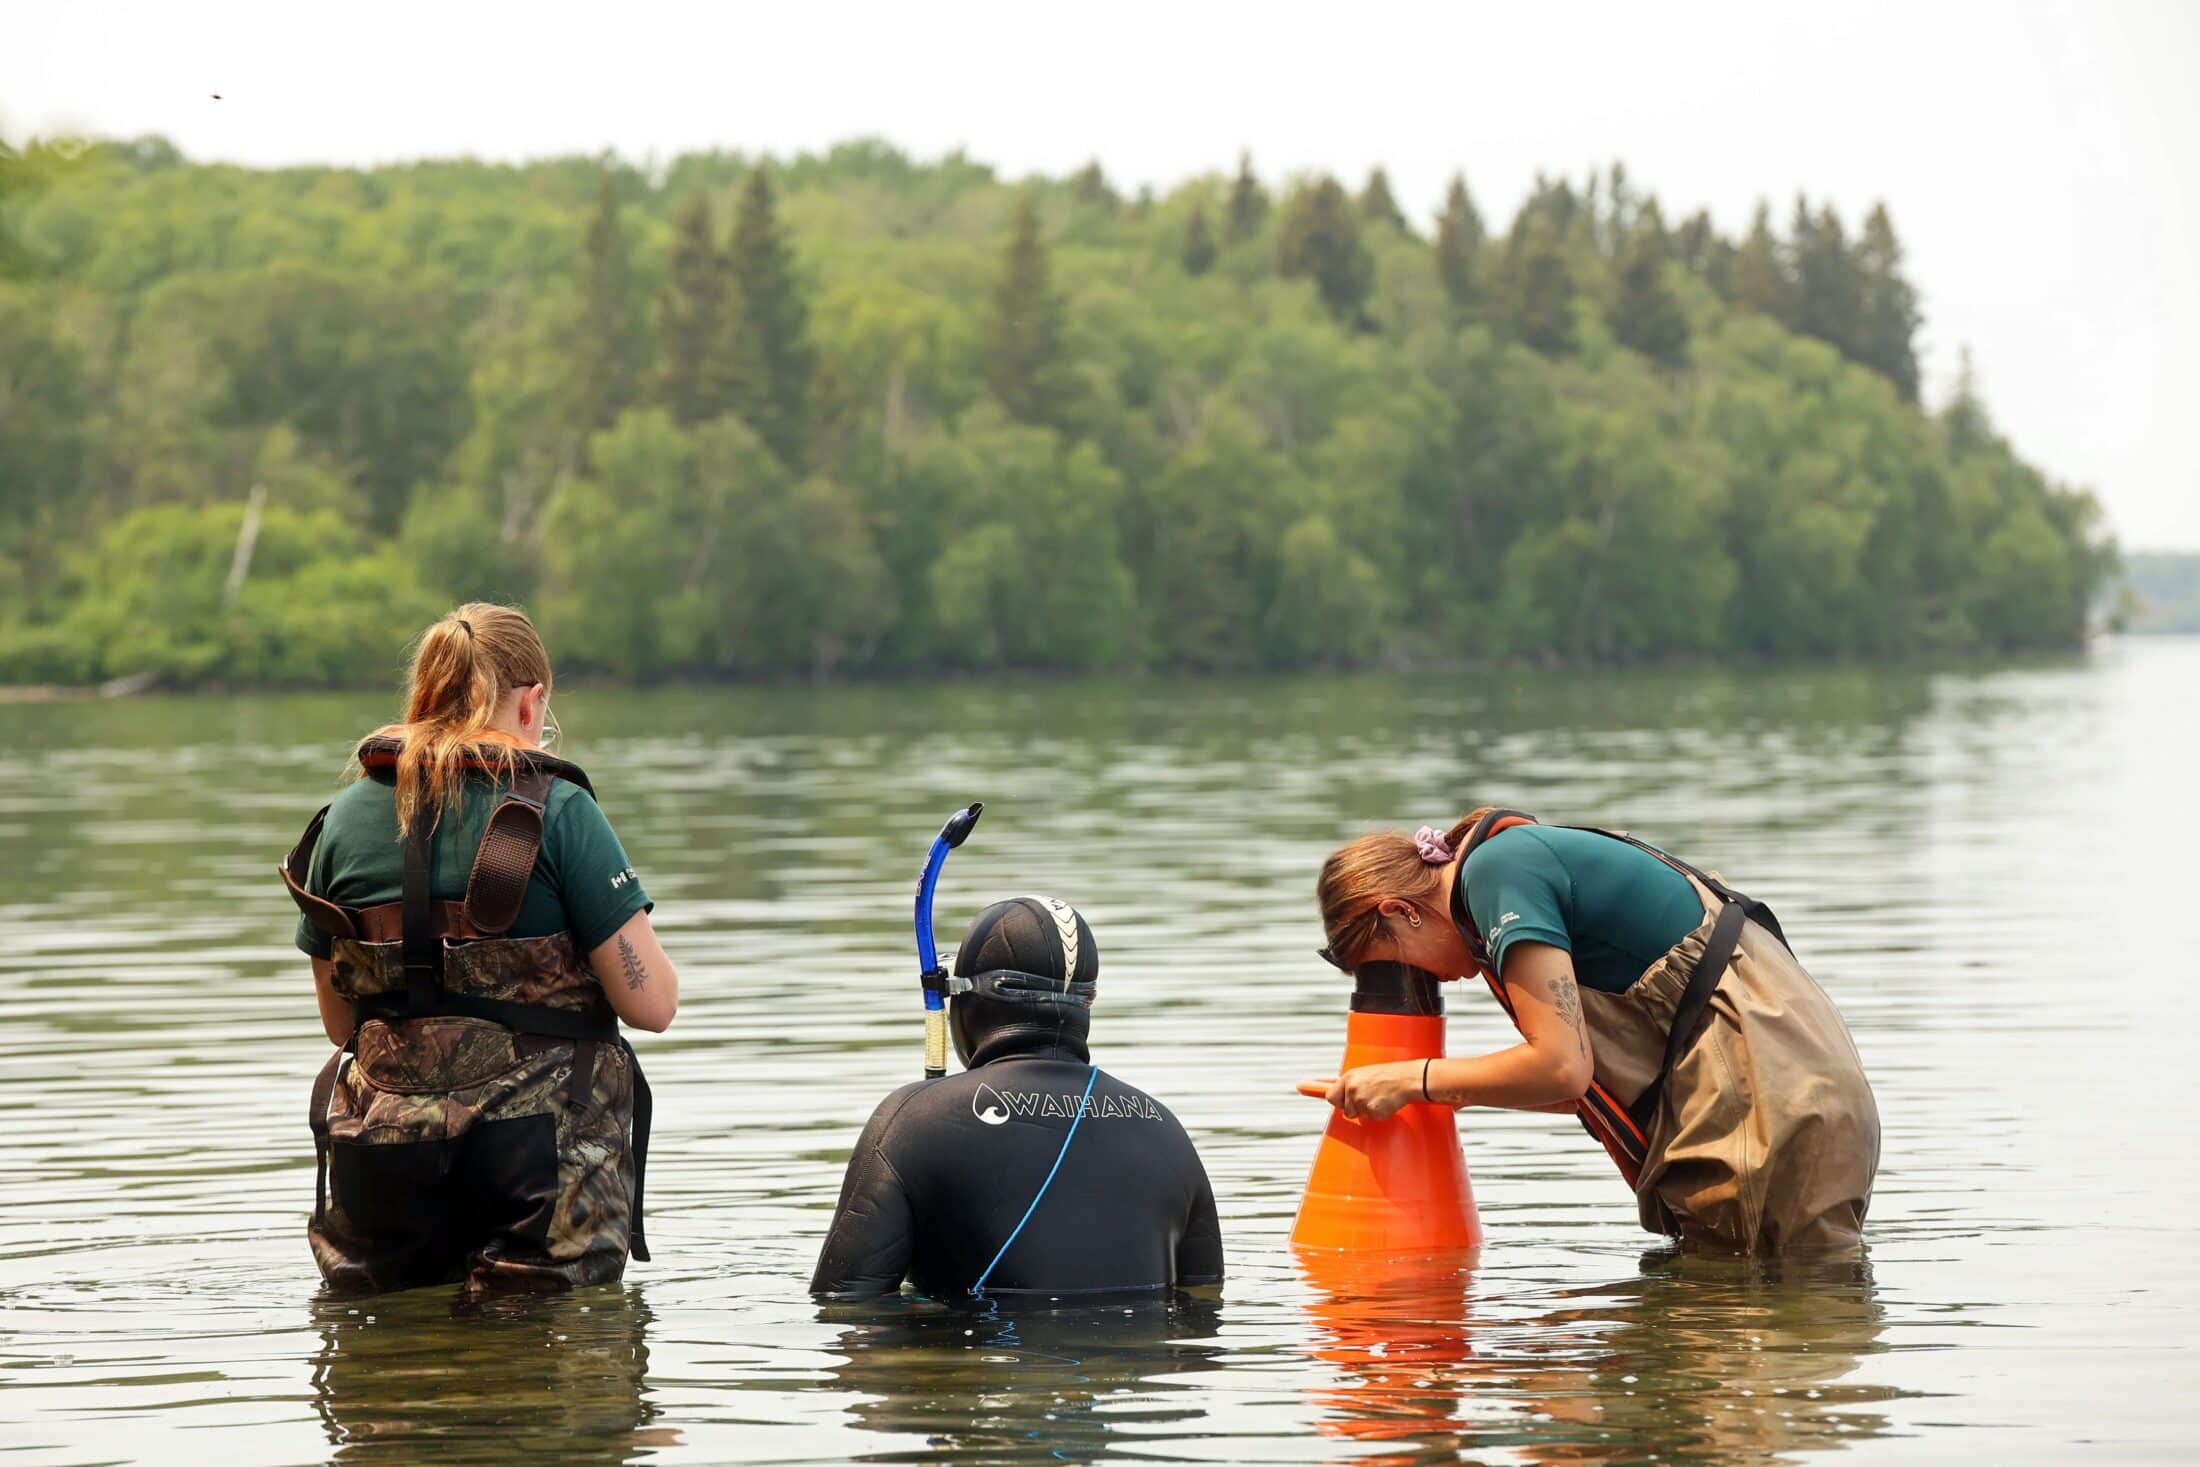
947,1167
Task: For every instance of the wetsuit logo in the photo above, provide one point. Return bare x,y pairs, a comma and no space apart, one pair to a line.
999,1107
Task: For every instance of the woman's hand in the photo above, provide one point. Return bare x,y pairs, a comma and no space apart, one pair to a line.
1548,1071
1376,1092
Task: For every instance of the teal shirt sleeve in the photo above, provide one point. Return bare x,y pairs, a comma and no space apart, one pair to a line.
1517,890
587,867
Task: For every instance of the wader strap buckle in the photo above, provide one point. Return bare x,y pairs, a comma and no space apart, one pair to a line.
1688,1014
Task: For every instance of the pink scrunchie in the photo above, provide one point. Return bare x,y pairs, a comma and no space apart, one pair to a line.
1434,849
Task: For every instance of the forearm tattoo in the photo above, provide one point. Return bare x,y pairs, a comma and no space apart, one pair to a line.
631,962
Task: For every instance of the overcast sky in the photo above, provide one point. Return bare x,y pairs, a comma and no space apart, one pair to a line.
2040,159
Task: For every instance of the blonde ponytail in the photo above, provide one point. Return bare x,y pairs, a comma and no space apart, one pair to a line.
461,669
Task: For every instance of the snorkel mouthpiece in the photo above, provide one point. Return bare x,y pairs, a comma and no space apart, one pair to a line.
960,824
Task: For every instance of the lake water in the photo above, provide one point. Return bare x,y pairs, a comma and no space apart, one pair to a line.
1991,870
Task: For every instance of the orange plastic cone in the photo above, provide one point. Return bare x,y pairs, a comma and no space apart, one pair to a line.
1396,1186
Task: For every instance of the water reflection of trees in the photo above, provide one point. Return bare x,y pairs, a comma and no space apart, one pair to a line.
413,1377
1690,1359
1017,1386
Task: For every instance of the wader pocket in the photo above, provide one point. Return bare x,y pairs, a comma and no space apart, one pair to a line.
496,1182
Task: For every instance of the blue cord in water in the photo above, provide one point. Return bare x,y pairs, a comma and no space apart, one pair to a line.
978,1289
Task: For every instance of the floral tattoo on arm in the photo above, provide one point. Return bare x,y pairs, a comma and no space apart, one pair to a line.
1567,1002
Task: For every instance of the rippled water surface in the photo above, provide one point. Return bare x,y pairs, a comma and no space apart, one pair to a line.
1992,871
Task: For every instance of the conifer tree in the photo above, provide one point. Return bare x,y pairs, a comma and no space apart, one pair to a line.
1024,356
1556,201
1645,314
1318,236
1760,281
768,362
610,349
1248,203
1539,295
1198,253
1379,206
1617,226
1964,419
693,315
1458,246
1829,286
1092,188
1692,242
1888,331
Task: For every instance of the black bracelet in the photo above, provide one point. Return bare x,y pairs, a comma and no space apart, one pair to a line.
1424,1080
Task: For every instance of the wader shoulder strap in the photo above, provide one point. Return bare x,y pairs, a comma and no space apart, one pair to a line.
1703,981
1490,824
320,911
505,859
423,949
1753,909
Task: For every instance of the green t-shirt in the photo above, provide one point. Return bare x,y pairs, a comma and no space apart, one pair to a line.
582,884
1615,908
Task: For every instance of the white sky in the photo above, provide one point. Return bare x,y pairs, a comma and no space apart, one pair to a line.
2039,158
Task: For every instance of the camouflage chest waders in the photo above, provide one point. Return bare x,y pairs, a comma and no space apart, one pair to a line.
1727,1088
484,1121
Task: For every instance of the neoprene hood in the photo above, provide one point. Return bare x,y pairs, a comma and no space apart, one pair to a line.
1027,965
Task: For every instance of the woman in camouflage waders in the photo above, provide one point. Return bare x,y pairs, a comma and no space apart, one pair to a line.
1653,1000
477,936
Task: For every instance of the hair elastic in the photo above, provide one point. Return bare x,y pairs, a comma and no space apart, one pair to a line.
1433,848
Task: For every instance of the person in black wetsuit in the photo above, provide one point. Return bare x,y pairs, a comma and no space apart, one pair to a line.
943,1177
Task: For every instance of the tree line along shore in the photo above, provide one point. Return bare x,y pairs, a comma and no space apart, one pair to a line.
854,413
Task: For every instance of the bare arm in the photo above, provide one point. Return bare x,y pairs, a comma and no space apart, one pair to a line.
335,1012
637,977
1548,1070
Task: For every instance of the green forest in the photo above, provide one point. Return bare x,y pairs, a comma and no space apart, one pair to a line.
858,414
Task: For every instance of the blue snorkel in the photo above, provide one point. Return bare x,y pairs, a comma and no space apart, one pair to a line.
929,972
